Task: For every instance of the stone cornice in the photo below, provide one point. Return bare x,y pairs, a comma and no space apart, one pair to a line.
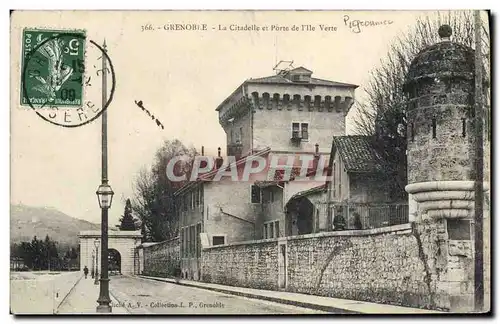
97,234
444,199
265,101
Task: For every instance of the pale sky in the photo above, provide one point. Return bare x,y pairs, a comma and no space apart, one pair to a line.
181,76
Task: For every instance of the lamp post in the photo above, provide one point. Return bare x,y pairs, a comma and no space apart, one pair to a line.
96,244
105,197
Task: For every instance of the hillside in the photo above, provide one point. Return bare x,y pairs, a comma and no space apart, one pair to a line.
27,221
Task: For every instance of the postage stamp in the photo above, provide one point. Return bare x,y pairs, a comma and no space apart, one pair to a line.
58,73
54,65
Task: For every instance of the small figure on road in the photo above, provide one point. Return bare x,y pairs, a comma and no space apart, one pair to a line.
92,273
86,271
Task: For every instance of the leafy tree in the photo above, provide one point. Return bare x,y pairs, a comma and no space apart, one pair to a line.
154,192
383,115
38,254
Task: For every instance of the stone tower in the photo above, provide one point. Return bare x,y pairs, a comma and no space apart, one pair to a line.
440,88
290,112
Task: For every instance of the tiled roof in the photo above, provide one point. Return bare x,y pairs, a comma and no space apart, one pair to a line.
357,153
278,79
208,176
307,192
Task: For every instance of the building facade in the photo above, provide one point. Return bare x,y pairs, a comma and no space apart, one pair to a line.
278,117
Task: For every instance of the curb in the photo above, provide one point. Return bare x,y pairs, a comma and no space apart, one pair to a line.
56,310
324,308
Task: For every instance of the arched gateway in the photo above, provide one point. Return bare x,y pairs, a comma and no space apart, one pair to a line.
122,242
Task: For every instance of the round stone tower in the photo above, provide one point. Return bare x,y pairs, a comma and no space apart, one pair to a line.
440,117
440,88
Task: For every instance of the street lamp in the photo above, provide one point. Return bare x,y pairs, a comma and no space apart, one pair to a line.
96,244
105,197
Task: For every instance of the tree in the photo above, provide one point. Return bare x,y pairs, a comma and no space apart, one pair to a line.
127,221
383,115
153,202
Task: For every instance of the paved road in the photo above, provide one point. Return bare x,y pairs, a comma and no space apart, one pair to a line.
143,296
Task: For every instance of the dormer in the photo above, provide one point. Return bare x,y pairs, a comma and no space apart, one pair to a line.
299,74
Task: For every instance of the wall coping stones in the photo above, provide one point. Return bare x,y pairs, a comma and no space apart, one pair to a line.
396,229
364,232
97,234
270,240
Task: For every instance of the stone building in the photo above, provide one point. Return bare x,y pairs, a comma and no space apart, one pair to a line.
283,115
358,186
121,245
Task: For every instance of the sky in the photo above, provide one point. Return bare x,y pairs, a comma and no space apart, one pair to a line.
181,76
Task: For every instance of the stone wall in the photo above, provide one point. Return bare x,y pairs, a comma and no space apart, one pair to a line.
400,265
162,259
252,264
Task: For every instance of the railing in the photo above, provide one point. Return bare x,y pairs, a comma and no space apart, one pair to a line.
348,216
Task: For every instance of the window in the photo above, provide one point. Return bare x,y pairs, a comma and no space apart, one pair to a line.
295,130
192,238
218,240
296,77
277,228
182,242
271,230
255,194
264,231
300,130
186,241
304,129
198,240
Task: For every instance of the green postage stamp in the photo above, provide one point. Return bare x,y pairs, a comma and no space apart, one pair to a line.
53,67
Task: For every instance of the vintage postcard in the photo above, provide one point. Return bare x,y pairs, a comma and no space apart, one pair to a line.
250,162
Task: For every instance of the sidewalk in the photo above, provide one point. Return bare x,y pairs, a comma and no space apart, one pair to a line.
328,304
83,300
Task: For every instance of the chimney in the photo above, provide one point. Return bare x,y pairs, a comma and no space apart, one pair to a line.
316,158
203,163
219,160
